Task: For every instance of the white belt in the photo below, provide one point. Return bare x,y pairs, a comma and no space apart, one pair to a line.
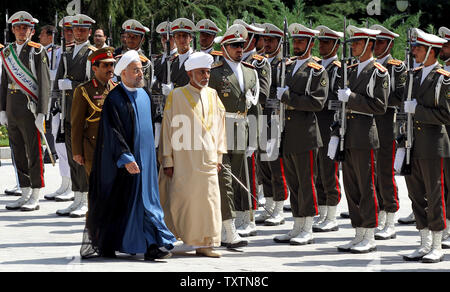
359,113
236,116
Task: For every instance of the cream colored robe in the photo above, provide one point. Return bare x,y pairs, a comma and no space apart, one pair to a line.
193,140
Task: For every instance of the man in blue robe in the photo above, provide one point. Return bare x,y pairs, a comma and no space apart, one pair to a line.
125,213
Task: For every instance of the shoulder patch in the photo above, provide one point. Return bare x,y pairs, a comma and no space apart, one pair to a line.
317,59
34,45
395,62
248,65
258,57
217,53
315,66
443,72
380,67
337,63
217,64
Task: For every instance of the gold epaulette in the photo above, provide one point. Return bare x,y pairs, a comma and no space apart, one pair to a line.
34,45
248,65
418,68
1,46
317,59
380,67
315,65
258,57
118,56
289,62
143,58
395,62
443,72
294,58
92,48
353,65
217,64
70,45
216,53
337,63
174,57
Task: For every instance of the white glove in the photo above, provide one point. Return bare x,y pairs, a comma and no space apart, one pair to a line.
399,158
64,84
167,88
39,122
332,147
280,91
249,152
344,94
3,119
410,106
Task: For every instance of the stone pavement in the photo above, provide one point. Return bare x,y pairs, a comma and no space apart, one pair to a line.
42,241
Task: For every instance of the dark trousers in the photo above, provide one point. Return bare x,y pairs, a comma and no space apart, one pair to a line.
77,172
327,184
301,174
228,187
447,186
26,143
273,178
426,191
359,182
241,196
387,189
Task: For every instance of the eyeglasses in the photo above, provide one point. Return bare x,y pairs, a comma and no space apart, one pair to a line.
237,45
137,70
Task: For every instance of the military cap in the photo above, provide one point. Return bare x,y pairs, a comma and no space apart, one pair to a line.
356,33
81,20
419,37
444,33
271,30
298,30
261,26
103,55
327,33
67,22
206,25
384,32
22,17
134,26
250,28
163,27
236,33
182,25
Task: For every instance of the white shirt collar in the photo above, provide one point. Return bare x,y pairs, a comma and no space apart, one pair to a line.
77,48
326,62
237,69
19,48
363,65
298,64
427,70
447,68
184,57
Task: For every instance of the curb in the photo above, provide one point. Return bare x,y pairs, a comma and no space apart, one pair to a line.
5,153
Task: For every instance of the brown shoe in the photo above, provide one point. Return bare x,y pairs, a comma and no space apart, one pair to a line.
207,252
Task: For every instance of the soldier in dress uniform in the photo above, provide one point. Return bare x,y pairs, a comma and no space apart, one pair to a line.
237,85
366,94
78,71
305,93
88,99
431,146
208,31
25,88
260,43
327,184
64,192
182,30
444,55
271,167
386,185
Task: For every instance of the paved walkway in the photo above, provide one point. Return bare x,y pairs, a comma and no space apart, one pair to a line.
43,241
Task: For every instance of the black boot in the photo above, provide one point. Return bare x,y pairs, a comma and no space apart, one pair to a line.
154,253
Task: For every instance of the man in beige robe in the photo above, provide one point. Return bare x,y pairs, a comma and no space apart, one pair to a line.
193,141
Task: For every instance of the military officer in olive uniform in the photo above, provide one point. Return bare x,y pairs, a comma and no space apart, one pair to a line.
366,94
271,166
328,186
387,189
25,88
88,100
305,93
431,146
78,71
236,83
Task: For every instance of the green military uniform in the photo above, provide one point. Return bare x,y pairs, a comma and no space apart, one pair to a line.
387,190
430,147
25,139
85,118
307,93
361,141
224,81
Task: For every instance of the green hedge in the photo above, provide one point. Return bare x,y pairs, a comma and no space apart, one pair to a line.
4,141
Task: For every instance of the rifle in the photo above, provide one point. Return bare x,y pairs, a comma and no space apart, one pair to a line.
283,79
406,169
150,41
6,31
343,114
60,138
52,63
110,38
194,38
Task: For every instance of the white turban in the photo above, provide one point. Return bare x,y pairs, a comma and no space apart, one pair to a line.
127,58
198,60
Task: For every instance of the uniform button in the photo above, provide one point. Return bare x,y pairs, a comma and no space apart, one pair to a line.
419,128
289,118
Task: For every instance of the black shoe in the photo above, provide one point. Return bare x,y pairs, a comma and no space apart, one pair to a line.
108,254
47,158
154,253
